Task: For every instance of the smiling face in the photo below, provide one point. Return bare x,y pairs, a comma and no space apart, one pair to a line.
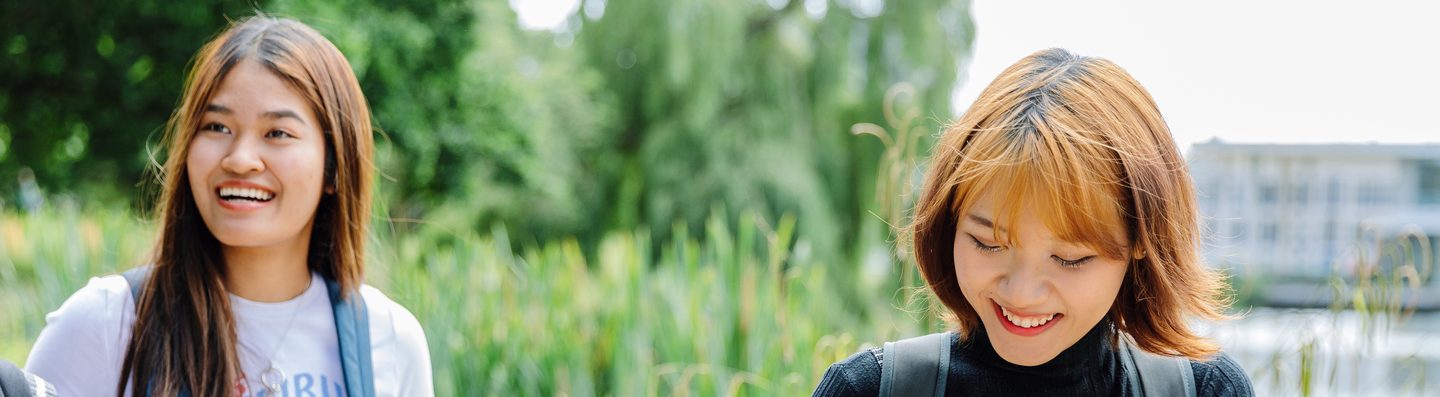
256,165
1038,295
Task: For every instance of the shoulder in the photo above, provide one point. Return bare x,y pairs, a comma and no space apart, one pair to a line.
1220,376
389,321
85,337
100,295
398,347
857,375
103,304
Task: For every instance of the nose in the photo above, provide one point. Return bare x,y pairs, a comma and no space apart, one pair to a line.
1025,286
242,158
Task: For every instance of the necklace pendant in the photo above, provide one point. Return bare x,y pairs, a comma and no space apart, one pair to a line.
272,378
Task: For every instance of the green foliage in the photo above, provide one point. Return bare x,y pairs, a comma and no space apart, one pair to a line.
724,312
641,114
87,84
741,103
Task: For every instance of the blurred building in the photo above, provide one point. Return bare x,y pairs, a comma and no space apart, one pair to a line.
1305,211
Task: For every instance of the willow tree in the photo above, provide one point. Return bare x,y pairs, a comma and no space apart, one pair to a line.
750,104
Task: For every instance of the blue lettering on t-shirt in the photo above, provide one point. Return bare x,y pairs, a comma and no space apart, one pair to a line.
303,384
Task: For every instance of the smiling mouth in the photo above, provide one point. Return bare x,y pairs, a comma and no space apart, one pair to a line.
1026,322
1025,325
245,194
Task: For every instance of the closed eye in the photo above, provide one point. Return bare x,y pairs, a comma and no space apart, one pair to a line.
985,248
1072,263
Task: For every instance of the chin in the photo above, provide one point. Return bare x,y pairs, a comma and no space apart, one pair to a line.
233,236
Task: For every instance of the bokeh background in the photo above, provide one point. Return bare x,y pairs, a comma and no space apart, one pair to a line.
696,197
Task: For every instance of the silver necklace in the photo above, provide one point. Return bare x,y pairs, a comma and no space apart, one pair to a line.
273,377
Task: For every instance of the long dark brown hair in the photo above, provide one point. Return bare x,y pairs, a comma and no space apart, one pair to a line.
184,332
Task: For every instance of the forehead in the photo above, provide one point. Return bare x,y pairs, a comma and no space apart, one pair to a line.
251,89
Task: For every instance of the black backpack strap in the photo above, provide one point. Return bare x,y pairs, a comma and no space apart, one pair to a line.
1151,374
352,326
917,366
15,382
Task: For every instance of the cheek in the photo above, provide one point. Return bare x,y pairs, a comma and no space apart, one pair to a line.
973,270
304,169
200,160
1100,287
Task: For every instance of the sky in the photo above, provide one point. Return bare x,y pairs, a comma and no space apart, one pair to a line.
1280,71
1243,71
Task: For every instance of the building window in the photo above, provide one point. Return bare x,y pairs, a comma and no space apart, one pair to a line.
1429,186
1269,232
1267,194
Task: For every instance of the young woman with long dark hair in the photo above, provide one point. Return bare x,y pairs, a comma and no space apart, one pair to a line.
254,287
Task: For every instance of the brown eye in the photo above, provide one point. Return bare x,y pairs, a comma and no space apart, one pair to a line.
278,134
215,127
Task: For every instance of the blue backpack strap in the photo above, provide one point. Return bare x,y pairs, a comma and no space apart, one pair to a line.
1151,374
136,278
917,366
352,325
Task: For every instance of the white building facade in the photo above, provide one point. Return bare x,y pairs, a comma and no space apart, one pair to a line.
1306,211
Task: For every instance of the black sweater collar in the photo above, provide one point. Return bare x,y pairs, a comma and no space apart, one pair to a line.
1090,354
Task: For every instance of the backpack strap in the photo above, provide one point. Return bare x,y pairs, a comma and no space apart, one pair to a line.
136,278
1151,374
916,366
352,327
15,382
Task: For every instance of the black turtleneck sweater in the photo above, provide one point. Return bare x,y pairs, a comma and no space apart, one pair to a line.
1088,368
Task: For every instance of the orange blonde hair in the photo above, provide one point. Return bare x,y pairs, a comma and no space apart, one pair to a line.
1079,139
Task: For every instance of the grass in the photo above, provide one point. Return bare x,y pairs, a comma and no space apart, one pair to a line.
729,312
732,311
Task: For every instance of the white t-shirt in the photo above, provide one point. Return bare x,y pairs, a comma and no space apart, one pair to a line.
83,344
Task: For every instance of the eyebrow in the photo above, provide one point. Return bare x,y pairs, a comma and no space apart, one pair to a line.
273,114
985,222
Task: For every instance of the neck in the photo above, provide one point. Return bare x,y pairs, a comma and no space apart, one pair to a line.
267,274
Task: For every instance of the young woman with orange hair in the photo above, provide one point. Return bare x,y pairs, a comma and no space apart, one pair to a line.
255,284
1058,227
